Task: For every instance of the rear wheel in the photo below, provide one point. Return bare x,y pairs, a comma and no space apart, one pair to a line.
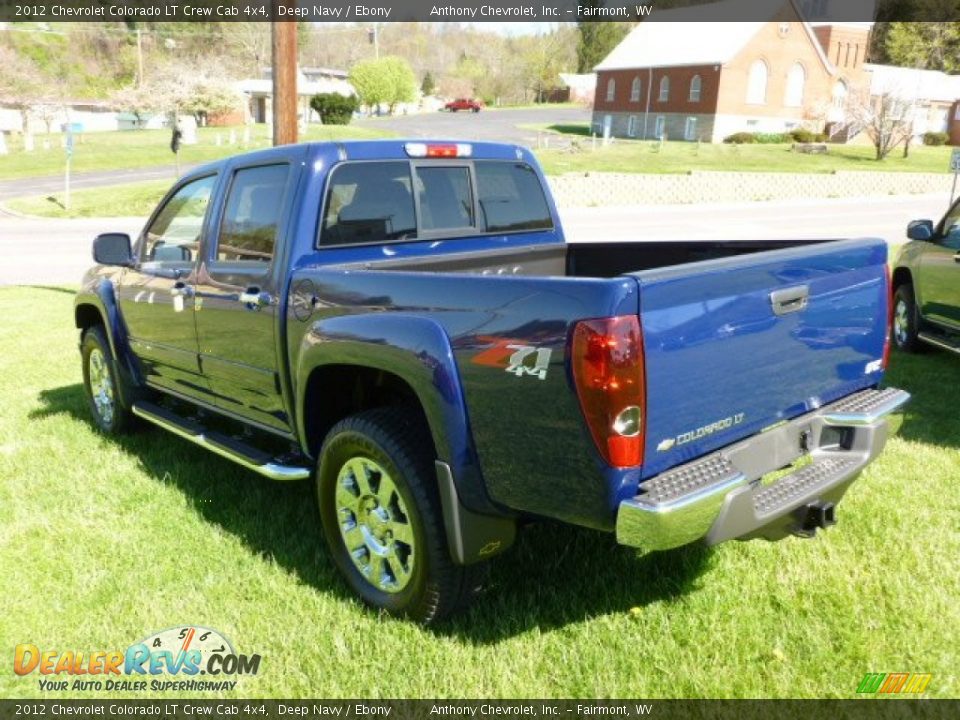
905,319
382,519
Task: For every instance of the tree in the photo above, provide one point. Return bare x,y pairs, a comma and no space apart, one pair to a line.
428,85
402,82
138,101
387,80
334,108
597,39
207,96
20,83
544,57
371,84
928,45
887,119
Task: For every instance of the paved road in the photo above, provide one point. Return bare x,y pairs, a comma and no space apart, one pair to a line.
492,125
47,185
54,252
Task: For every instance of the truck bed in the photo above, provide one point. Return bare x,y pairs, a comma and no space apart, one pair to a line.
722,360
581,260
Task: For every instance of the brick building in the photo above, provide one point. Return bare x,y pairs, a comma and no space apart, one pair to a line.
683,79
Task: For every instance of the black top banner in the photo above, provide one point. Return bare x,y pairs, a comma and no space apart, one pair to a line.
551,11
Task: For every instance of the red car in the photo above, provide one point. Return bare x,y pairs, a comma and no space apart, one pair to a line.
463,104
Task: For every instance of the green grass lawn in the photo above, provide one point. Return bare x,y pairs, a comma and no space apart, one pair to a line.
645,156
104,542
134,200
148,148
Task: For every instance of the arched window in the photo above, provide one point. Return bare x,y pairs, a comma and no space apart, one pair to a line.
839,94
611,89
757,83
664,89
635,90
696,84
796,79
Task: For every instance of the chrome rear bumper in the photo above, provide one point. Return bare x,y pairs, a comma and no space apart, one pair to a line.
722,496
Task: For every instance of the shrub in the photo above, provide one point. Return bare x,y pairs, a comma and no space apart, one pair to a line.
334,108
935,138
802,135
740,138
770,138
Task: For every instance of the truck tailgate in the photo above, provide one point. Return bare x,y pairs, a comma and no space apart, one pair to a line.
736,345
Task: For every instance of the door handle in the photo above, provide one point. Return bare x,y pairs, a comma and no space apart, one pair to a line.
790,300
181,289
255,299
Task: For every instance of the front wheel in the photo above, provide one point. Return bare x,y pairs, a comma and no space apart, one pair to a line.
905,319
101,383
382,519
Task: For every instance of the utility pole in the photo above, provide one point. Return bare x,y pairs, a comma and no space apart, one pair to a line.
374,36
139,58
284,47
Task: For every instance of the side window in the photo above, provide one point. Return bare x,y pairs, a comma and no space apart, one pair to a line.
446,201
369,202
251,217
174,234
950,237
511,198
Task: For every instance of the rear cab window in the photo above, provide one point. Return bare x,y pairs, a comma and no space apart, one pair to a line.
376,202
511,198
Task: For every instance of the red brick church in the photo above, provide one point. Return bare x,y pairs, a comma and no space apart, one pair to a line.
688,80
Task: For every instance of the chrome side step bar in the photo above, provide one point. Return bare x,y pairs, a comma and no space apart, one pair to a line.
939,342
222,445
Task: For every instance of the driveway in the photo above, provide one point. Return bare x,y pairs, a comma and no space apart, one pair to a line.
486,125
55,252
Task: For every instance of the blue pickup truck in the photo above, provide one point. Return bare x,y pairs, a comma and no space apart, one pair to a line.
404,324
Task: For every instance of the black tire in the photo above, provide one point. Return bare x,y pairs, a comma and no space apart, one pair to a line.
434,587
109,412
906,320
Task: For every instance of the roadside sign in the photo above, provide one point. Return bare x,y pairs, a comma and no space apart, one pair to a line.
955,169
68,145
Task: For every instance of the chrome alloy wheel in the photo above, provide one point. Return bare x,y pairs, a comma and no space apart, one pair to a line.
101,386
901,322
375,525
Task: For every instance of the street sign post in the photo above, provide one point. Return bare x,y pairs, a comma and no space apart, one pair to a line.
955,169
68,148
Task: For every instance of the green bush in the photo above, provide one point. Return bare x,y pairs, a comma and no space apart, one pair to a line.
740,138
770,138
802,135
334,108
935,138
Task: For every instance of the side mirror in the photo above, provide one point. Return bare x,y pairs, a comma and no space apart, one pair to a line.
920,230
113,249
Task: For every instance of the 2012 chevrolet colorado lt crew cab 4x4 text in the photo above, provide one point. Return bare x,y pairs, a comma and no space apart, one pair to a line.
404,323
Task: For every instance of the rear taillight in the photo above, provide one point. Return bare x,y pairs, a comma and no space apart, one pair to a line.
888,336
608,370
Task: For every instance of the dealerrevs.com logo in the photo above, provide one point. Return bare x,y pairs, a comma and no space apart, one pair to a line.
183,653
